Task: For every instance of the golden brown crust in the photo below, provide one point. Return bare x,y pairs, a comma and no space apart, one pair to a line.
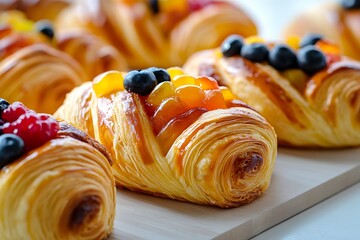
325,114
225,157
334,23
68,130
164,39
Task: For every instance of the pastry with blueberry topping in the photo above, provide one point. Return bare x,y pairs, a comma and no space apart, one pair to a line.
305,87
174,135
338,22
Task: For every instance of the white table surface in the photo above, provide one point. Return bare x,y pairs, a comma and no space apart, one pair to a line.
337,217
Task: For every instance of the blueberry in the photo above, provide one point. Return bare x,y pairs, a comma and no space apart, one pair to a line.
282,57
141,82
154,6
161,74
232,45
310,39
256,52
350,4
46,28
11,147
3,105
311,59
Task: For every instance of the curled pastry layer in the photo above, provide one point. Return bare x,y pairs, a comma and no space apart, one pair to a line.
93,54
56,182
38,9
323,112
222,157
333,22
39,76
163,38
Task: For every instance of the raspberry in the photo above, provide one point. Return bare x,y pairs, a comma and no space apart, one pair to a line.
13,112
34,129
196,5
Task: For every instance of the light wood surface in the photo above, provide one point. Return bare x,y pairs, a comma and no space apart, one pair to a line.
301,179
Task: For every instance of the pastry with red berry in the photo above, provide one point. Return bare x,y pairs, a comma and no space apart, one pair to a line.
55,181
159,33
305,87
338,22
38,66
177,136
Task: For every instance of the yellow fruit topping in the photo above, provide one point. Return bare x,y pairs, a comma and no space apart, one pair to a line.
297,78
181,80
293,42
254,39
227,94
214,100
206,83
175,71
191,95
17,21
107,83
173,5
161,92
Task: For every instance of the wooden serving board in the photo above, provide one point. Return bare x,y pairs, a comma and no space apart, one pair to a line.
301,179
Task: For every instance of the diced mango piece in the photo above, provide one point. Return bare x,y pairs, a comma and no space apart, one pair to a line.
293,42
173,5
227,94
191,95
175,71
214,100
107,83
328,47
206,83
181,80
297,78
161,92
254,39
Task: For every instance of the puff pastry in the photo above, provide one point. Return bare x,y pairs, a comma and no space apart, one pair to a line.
164,38
39,71
63,189
222,157
38,9
322,112
333,22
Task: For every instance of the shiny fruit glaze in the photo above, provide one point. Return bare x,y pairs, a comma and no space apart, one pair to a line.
173,106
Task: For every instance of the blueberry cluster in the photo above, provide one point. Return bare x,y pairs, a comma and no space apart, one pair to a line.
350,4
281,57
144,81
11,146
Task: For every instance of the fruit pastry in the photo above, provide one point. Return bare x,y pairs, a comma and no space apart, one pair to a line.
309,92
34,67
37,9
159,33
338,22
55,181
176,136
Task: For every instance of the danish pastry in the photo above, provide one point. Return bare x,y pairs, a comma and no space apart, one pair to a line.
55,181
176,136
309,94
157,33
38,67
339,23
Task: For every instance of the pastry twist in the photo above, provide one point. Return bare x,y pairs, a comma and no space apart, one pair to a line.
334,23
324,112
165,38
222,157
37,9
63,189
